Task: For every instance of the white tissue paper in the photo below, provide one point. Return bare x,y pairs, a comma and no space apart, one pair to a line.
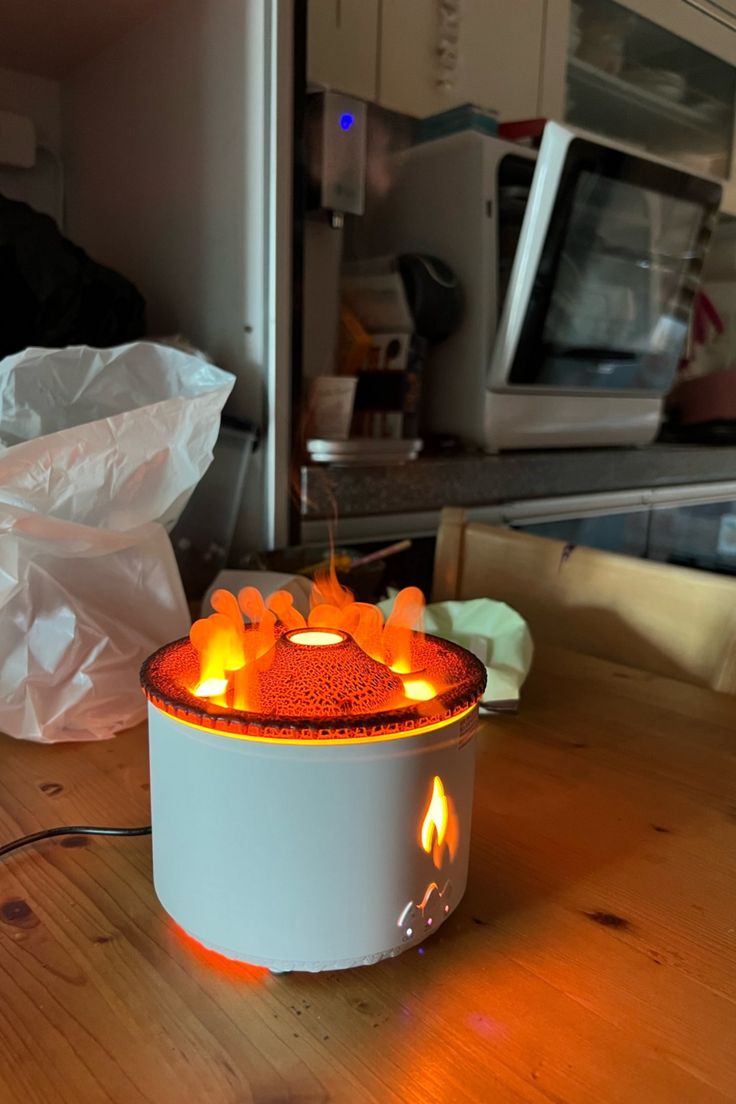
100,450
492,631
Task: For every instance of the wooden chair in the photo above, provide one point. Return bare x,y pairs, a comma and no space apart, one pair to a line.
669,620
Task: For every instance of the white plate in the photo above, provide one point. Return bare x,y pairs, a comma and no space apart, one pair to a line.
363,451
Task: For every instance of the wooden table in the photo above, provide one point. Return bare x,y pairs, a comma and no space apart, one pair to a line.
592,960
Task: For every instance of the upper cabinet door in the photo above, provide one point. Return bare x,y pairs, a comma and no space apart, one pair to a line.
701,22
657,74
342,46
435,55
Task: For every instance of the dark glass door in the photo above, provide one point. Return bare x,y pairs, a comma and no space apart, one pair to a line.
609,301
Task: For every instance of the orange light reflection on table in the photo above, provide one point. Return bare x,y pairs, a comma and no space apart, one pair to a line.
231,968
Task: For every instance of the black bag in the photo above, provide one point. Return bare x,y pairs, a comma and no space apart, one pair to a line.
52,294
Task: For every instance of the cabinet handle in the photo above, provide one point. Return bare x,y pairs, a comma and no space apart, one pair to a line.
714,10
448,43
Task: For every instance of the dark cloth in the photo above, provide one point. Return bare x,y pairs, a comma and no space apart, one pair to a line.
52,294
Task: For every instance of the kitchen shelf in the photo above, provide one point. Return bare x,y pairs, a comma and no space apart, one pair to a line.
605,102
431,482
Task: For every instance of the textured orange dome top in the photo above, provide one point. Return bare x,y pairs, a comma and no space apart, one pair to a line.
333,690
334,679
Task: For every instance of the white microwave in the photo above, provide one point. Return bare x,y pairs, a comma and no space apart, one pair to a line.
579,262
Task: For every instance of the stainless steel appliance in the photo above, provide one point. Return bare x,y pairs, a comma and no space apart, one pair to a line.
336,128
579,262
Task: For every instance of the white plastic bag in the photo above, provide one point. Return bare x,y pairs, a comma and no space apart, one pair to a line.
102,449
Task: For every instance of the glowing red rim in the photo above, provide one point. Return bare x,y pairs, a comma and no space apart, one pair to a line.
162,690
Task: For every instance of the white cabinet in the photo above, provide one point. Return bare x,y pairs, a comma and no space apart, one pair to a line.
423,56
170,127
342,45
498,46
659,74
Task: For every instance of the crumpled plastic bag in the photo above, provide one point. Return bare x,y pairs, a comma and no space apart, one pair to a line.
101,449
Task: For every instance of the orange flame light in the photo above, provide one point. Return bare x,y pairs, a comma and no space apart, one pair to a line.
436,817
233,655
259,669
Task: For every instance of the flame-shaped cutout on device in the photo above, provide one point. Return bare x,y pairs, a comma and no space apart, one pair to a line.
440,831
435,819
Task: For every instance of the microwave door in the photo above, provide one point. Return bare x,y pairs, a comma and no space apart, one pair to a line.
609,256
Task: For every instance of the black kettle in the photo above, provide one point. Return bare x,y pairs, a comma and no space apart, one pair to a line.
434,295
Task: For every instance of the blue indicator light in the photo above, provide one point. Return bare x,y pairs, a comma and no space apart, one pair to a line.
346,121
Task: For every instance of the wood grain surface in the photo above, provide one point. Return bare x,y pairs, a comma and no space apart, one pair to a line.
592,960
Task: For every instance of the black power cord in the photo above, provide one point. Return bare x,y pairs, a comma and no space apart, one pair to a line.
71,830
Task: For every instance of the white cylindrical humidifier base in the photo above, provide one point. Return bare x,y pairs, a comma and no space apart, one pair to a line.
310,854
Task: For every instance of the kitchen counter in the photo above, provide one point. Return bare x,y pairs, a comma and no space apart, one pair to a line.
593,957
428,484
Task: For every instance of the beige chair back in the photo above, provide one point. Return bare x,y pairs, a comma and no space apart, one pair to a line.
669,620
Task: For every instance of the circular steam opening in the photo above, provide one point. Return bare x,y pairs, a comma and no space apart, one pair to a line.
315,638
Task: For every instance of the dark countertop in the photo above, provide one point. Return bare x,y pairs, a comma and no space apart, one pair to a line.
476,480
